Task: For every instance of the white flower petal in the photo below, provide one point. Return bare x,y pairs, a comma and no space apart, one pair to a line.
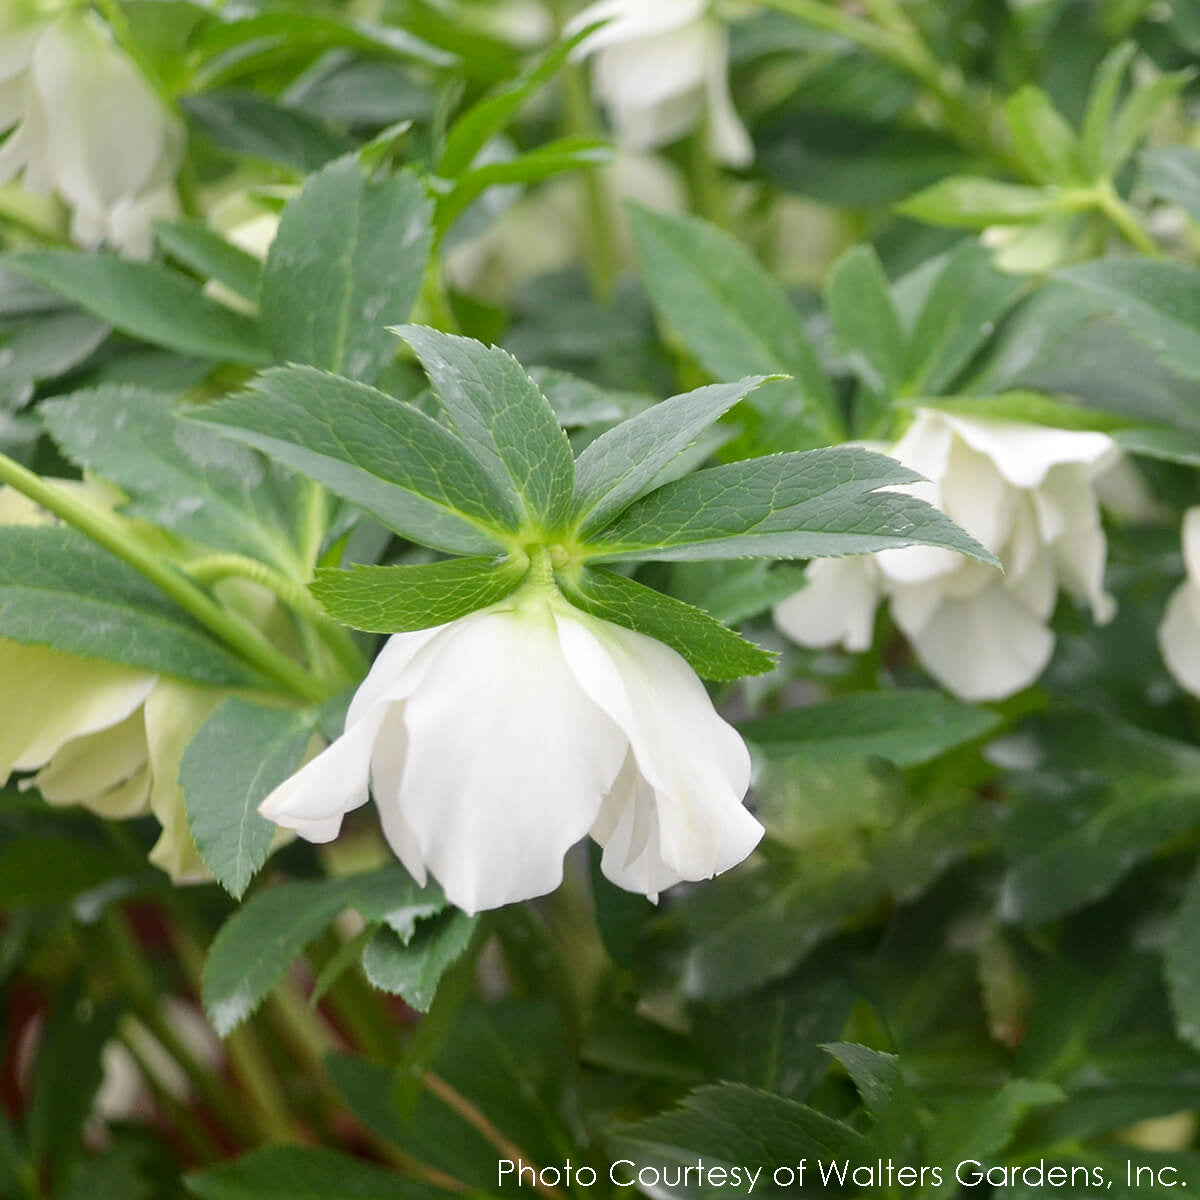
507,762
1024,453
697,764
627,828
313,801
836,605
985,647
1191,543
1179,636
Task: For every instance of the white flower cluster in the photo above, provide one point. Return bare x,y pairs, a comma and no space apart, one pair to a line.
495,743
79,122
1028,494
661,71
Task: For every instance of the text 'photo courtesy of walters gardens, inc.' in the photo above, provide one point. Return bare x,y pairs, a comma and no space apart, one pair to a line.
701,1176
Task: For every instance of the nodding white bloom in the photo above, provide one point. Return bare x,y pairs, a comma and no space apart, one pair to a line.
81,122
1027,493
660,71
1179,632
496,742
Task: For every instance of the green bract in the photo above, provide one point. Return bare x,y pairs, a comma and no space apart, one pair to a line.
499,470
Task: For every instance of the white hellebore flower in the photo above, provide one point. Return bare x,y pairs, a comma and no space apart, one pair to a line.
1027,493
80,121
496,742
661,70
1179,633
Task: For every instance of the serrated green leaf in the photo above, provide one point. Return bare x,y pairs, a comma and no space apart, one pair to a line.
264,937
623,464
808,505
347,262
303,1173
712,650
973,202
179,475
59,589
147,301
210,255
1118,794
865,320
876,1074
403,598
961,311
732,316
1158,302
738,1125
238,757
1043,140
412,969
907,727
505,421
378,452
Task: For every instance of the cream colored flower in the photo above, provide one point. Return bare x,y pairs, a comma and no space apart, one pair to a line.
82,123
495,743
1027,493
661,70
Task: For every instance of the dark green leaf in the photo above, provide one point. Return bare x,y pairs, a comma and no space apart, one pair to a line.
623,464
59,589
507,423
239,756
250,124
865,320
412,969
380,453
348,261
263,938
180,476
712,650
907,727
303,1173
147,301
1158,302
732,315
807,505
403,598
210,255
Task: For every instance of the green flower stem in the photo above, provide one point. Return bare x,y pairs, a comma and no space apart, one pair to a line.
199,1141
1124,220
251,1066
295,595
105,531
435,299
709,195
124,959
579,118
